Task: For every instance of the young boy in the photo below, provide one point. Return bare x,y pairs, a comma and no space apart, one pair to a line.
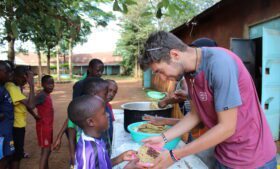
95,69
22,105
112,91
88,112
44,125
98,87
6,117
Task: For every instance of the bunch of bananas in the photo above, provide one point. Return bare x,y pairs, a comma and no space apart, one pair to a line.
150,128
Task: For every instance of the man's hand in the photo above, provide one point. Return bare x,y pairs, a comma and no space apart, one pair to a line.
180,95
156,141
133,165
163,161
158,121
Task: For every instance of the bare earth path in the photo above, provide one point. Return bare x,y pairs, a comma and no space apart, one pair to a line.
129,90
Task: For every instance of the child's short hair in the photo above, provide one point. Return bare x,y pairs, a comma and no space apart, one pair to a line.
83,107
21,71
112,81
45,78
93,85
95,62
5,65
11,64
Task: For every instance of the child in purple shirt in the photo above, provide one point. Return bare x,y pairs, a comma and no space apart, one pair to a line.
88,112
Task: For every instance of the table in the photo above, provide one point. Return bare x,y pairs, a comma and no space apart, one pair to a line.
122,141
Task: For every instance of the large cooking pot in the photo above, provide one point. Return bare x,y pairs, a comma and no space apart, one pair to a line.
133,112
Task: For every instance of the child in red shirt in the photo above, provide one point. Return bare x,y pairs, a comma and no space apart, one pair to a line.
44,126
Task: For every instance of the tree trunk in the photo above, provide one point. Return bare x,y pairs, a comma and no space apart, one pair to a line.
70,57
135,68
57,63
40,67
11,49
137,73
49,60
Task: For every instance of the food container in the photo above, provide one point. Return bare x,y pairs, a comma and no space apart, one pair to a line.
134,111
138,136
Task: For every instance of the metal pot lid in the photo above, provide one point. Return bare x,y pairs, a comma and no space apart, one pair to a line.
142,106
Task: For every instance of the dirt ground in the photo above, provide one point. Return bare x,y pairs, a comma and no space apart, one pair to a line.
129,90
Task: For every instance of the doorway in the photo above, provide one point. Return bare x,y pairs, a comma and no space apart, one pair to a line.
258,65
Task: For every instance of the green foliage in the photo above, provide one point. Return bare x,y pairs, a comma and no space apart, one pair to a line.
63,65
135,29
47,22
148,16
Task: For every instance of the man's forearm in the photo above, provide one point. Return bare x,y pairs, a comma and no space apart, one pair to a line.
225,128
184,125
210,139
171,121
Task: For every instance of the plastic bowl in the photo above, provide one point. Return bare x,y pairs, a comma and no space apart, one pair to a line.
156,95
139,136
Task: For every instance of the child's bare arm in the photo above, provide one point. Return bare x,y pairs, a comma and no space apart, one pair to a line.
72,143
126,156
30,102
57,142
36,116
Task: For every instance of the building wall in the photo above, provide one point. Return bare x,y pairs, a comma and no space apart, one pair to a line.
108,70
35,70
231,20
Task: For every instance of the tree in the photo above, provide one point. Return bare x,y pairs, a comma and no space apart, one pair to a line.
148,16
16,15
135,29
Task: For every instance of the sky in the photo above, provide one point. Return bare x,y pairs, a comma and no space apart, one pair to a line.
102,39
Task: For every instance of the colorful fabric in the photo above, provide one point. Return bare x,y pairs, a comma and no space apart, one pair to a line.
111,110
1,147
19,108
107,136
44,136
110,116
91,154
70,124
44,126
6,129
223,82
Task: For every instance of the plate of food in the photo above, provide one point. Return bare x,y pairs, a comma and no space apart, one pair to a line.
143,130
147,155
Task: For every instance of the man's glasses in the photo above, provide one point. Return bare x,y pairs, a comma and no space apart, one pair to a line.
152,49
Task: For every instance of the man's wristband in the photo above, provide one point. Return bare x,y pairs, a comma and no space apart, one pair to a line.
164,138
173,156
